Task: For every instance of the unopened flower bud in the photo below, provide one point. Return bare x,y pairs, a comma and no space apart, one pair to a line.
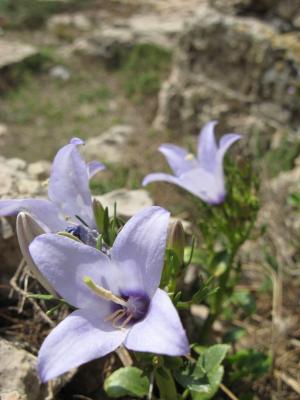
176,240
27,230
98,214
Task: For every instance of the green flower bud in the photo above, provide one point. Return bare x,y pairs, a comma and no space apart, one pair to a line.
98,214
176,240
27,230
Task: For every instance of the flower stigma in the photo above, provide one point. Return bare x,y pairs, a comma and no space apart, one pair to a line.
190,156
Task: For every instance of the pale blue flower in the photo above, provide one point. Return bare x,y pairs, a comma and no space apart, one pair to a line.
202,176
68,192
118,297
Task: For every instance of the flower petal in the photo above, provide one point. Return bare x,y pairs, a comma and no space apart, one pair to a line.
177,158
139,250
81,337
69,183
65,262
207,147
206,185
42,210
159,177
94,167
161,331
225,142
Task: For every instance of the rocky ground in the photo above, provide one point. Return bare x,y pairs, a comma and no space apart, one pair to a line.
77,73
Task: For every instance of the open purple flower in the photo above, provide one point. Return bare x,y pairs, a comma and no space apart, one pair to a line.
202,176
117,296
68,192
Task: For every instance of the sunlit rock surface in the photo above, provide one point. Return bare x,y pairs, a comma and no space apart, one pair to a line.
109,146
12,52
241,70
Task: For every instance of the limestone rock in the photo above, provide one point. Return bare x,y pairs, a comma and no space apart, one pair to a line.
19,379
76,21
286,10
39,170
18,376
229,67
12,52
129,202
3,130
108,44
16,181
282,220
108,147
112,41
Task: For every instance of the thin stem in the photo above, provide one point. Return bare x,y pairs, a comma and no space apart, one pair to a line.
217,309
185,394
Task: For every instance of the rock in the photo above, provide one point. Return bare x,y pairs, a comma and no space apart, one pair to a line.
109,146
6,230
256,89
12,52
16,182
18,375
271,10
19,379
76,21
60,72
114,40
109,44
3,130
129,202
282,219
39,170
16,164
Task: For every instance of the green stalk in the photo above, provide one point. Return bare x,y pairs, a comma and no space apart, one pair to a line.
166,384
217,307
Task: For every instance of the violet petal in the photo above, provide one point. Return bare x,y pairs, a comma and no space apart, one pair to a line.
81,337
139,250
65,262
161,331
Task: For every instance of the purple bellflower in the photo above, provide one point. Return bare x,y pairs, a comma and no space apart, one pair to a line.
117,297
202,176
68,192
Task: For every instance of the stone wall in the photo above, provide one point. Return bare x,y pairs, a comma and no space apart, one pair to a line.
240,70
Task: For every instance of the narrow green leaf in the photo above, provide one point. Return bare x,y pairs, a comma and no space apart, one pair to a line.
166,384
42,296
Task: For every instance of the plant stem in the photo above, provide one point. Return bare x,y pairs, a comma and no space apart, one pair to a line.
217,308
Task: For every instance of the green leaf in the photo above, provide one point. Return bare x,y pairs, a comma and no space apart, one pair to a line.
234,335
166,384
214,356
249,363
192,255
206,392
42,296
219,263
245,300
128,381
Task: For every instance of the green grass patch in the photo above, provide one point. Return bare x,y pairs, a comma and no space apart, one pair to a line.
32,13
143,70
282,158
116,177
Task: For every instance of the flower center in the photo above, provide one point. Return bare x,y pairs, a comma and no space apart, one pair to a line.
135,309
130,307
86,235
